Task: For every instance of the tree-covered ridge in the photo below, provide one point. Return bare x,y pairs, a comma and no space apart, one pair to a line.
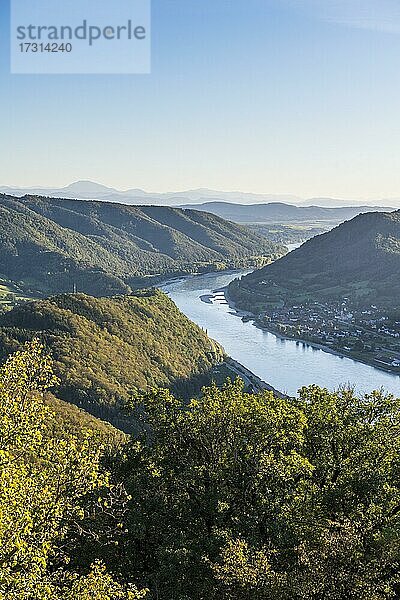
106,348
359,259
281,212
52,245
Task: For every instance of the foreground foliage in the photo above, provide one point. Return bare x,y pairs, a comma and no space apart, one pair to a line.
230,497
45,483
254,497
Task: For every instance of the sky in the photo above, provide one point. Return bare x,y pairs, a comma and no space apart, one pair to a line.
271,96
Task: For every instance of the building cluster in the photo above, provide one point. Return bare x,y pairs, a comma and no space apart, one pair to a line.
369,332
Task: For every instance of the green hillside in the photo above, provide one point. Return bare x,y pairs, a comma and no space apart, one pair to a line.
66,419
50,245
105,349
359,259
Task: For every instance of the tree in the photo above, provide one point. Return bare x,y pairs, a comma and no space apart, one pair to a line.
44,482
226,466
253,497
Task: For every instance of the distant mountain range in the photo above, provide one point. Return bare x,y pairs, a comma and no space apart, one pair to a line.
50,245
88,190
278,212
360,259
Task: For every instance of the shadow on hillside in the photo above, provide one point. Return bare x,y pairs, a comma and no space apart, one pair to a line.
123,418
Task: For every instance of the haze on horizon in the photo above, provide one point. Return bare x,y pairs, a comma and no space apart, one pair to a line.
85,189
278,97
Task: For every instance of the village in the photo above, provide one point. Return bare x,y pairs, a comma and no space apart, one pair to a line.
370,334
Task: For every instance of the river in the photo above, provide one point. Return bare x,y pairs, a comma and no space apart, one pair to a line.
287,365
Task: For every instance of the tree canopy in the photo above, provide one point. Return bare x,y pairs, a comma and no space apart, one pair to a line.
45,486
240,496
231,496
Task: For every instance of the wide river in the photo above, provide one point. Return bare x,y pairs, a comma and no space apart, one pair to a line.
287,365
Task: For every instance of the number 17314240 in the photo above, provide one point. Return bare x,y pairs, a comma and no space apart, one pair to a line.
49,47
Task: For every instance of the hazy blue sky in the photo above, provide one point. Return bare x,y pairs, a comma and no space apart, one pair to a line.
274,96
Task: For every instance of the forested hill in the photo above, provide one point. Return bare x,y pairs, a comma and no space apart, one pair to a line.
50,245
359,259
105,349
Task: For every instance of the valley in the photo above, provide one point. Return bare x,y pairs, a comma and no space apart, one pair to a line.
147,422
200,300
95,247
50,246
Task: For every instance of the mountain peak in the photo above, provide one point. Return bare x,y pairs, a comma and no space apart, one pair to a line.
87,186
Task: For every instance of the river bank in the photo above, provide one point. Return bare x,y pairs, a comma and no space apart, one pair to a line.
312,344
251,379
286,364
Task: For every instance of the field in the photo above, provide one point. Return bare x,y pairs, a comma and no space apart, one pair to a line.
291,233
10,294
